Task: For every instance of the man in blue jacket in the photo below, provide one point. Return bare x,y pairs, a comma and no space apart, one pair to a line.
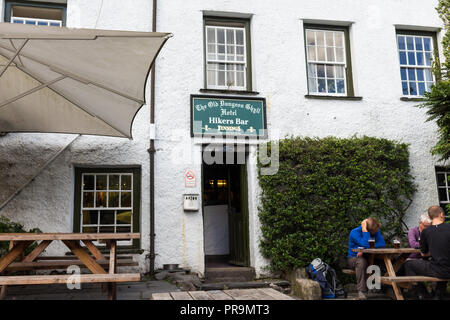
359,238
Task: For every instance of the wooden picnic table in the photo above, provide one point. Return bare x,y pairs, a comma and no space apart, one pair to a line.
19,242
387,255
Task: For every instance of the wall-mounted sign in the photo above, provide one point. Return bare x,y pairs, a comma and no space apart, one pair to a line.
229,116
190,180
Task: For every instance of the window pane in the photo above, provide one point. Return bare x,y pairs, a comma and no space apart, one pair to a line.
402,55
90,217
107,217
113,200
124,217
88,182
312,53
420,75
405,88
419,56
230,36
312,85
211,48
340,72
211,35
321,86
114,183
421,88
443,194
310,37
339,39
321,54
339,54
123,229
428,59
240,79
401,42
411,74
410,43
221,78
412,89
211,77
240,37
125,199
321,70
340,86
90,230
428,75
429,84
100,200
330,54
106,229
329,39
419,46
221,36
403,73
312,70
330,71
411,58
126,182
331,86
101,182
427,44
88,199
320,38
441,179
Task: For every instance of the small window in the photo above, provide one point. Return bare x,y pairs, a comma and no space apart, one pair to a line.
328,61
37,14
107,201
226,55
416,59
443,184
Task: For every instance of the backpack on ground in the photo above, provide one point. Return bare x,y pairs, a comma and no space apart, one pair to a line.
325,275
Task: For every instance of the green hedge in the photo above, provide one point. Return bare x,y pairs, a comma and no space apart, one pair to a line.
326,187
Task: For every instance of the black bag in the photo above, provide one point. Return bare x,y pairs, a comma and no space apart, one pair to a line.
325,275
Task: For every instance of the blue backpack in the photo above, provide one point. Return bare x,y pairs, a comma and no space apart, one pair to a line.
325,275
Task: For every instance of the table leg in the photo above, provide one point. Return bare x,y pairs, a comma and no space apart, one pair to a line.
93,249
391,272
18,249
37,251
4,288
84,257
112,287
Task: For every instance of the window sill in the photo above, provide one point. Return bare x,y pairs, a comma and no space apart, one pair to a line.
241,92
412,99
310,96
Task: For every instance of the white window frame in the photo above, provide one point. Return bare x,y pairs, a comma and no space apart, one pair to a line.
36,21
225,62
335,63
115,209
416,66
446,174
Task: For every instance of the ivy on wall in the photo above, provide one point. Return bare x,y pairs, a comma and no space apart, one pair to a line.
8,226
326,187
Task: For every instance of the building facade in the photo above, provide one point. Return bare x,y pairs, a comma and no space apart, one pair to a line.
302,68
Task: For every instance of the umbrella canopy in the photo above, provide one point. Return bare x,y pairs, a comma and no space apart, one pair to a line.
73,80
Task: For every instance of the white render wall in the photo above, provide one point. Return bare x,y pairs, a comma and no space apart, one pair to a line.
279,75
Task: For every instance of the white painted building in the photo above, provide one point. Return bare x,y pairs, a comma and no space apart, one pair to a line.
353,85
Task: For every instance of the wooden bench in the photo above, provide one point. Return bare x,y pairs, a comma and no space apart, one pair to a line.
409,279
64,279
348,271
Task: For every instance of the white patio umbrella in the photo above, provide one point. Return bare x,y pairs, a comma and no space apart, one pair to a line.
81,81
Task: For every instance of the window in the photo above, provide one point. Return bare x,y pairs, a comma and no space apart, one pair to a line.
107,201
443,183
416,58
227,54
328,61
34,13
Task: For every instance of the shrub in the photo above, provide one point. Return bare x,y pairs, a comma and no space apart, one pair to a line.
326,187
7,226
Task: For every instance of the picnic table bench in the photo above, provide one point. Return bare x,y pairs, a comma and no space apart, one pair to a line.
390,278
103,267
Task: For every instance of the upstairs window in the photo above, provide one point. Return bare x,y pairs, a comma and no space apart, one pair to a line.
416,59
328,61
443,184
227,48
35,13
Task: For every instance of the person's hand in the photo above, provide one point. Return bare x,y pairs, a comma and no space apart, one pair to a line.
359,254
364,225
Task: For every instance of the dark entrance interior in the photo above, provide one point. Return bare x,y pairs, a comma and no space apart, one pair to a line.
225,215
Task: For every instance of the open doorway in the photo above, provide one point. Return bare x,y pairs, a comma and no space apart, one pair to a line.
225,215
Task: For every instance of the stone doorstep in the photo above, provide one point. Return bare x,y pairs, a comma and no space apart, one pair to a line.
277,285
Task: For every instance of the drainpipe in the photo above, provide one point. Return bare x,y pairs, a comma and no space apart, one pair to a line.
151,152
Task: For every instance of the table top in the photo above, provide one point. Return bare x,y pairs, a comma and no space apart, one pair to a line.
387,250
67,236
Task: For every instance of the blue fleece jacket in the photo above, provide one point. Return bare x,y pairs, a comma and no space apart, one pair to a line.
358,238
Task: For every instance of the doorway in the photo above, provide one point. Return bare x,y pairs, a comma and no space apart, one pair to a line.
225,215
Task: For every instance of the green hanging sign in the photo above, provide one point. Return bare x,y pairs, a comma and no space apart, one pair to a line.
229,116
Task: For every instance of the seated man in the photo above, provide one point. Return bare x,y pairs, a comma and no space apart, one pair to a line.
414,235
359,238
434,241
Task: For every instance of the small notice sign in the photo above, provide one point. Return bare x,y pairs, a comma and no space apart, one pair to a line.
190,179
